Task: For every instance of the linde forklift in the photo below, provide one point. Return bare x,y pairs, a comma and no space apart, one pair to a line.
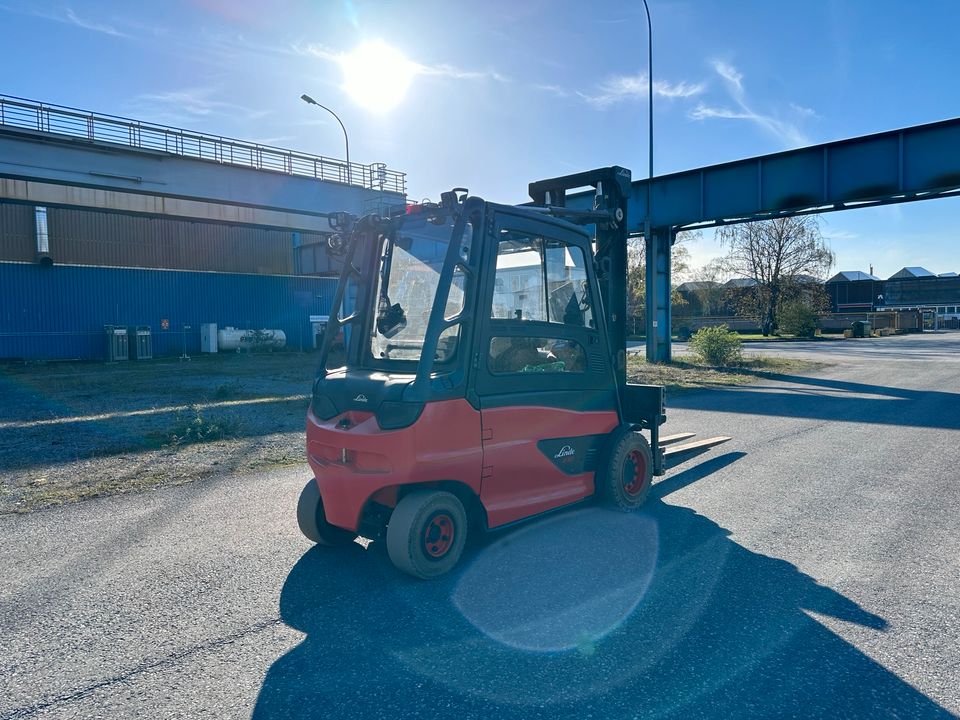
484,375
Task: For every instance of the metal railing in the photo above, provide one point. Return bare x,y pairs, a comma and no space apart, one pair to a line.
60,120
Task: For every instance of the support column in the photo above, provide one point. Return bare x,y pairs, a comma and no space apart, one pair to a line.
657,244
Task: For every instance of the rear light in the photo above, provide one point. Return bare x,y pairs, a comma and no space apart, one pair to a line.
323,407
396,415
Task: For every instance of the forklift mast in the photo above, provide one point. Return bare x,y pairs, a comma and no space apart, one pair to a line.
640,405
609,216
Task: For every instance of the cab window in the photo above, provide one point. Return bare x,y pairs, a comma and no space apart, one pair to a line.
540,279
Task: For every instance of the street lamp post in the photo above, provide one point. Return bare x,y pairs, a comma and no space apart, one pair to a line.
653,259
649,100
309,100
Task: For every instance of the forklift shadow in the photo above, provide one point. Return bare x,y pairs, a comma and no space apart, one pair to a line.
585,612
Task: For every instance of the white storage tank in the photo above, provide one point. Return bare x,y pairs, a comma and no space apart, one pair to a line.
230,338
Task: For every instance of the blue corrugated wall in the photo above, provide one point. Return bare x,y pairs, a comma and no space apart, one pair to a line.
59,312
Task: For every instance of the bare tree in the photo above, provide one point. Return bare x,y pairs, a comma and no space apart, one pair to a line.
775,253
637,270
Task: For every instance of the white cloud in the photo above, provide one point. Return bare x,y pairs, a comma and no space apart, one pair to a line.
623,88
69,17
450,71
553,90
179,106
72,17
785,131
318,51
442,70
730,74
804,111
681,89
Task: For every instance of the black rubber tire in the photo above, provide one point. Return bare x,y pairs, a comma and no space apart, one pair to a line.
624,478
313,521
407,533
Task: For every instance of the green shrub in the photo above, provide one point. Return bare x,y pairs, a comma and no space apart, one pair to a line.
797,318
228,390
193,427
716,345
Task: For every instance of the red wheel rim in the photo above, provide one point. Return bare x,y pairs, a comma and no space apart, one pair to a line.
634,472
438,535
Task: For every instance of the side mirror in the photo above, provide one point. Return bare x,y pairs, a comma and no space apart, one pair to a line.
391,320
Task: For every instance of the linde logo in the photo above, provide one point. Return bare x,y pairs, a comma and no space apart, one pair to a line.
360,398
565,451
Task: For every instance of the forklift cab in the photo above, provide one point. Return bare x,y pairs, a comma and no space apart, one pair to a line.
479,385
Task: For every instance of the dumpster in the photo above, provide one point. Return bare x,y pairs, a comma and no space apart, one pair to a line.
861,328
117,343
141,342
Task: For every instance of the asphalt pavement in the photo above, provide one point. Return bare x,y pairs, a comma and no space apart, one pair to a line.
807,568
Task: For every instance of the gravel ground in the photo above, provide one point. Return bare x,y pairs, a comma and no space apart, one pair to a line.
806,569
69,431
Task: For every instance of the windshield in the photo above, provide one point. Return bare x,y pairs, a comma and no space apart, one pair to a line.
410,266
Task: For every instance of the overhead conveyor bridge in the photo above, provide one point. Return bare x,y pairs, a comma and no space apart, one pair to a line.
915,163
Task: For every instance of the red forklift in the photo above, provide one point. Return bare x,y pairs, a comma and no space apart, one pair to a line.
483,381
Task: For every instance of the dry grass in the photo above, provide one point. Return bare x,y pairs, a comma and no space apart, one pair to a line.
71,431
685,373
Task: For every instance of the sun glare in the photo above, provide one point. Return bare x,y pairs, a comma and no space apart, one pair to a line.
377,76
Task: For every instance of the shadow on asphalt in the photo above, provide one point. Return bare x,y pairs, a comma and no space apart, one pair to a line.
715,631
824,399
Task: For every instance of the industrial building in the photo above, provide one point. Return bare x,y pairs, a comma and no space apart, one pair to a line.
113,226
913,298
936,297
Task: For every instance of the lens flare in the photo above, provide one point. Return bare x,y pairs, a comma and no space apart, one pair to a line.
563,584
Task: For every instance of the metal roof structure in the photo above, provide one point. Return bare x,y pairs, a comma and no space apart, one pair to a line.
911,272
852,276
698,285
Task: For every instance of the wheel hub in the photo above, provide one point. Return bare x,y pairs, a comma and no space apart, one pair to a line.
438,535
634,473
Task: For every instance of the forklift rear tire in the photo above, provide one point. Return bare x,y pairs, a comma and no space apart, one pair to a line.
426,533
625,478
313,520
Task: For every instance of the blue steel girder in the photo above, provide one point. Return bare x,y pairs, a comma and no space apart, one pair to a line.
915,163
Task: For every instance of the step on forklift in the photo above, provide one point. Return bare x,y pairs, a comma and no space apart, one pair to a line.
483,379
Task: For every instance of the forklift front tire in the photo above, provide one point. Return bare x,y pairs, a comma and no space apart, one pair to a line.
313,520
426,533
625,478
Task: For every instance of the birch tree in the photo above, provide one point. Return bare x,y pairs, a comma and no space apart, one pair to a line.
775,253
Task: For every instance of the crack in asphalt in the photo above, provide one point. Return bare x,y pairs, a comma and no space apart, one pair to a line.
140,669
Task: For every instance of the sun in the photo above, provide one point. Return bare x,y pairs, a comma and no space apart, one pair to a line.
377,76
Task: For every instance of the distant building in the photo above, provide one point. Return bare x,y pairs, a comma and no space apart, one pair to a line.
741,283
910,288
853,291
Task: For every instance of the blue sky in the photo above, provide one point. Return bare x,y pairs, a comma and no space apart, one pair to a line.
509,92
